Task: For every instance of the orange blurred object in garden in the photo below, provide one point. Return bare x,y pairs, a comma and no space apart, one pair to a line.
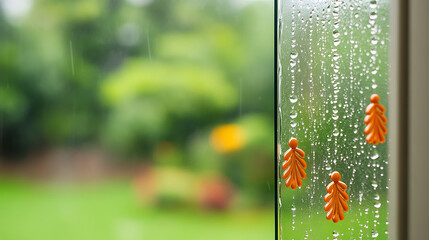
228,138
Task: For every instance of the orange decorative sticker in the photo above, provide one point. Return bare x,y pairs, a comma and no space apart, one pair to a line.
376,121
336,198
294,165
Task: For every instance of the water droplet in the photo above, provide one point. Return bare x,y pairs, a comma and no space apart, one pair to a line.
292,63
293,54
377,205
336,25
374,184
337,42
376,197
293,114
293,98
335,234
336,132
374,233
336,33
374,86
375,155
336,56
334,116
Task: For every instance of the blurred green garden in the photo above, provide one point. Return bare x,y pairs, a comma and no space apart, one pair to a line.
136,119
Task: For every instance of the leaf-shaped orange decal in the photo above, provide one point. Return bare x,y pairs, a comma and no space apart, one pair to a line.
336,198
376,121
294,165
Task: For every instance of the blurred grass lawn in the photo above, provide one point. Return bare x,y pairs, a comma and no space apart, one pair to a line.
110,210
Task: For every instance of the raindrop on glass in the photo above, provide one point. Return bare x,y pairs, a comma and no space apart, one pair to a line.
336,132
373,4
376,197
336,33
375,155
328,167
336,56
337,42
374,184
293,54
374,233
293,114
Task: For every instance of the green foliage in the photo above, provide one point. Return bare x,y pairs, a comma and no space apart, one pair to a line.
148,99
182,89
129,76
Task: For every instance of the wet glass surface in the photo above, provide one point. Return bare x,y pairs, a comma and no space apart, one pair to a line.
333,55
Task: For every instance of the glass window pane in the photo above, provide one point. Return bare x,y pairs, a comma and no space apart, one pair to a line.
333,55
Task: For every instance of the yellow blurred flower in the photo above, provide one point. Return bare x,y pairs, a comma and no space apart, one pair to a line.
228,138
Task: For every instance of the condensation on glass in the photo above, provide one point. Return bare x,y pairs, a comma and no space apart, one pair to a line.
332,56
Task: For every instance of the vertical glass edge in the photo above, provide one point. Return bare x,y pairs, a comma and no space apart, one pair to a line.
276,197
